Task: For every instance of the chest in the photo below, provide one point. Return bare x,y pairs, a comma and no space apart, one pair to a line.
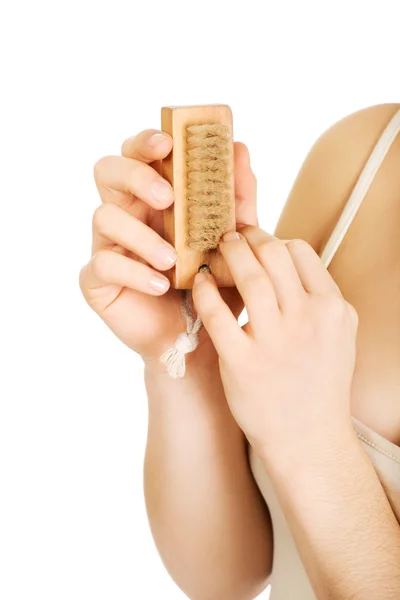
375,401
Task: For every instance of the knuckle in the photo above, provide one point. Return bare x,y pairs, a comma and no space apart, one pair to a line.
255,180
98,219
98,168
128,143
298,245
271,247
101,264
101,217
254,278
336,307
353,313
81,279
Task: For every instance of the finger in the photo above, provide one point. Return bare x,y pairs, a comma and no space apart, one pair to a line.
147,146
113,225
312,272
222,327
245,186
276,259
250,278
110,268
133,177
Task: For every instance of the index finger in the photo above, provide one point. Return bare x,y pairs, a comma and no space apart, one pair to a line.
147,146
314,275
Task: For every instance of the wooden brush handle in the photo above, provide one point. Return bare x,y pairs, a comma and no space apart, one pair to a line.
175,120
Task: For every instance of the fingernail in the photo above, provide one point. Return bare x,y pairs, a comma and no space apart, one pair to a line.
230,236
156,139
166,254
159,284
161,190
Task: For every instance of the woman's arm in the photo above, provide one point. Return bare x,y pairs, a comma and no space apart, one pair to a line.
209,522
344,527
287,376
208,519
366,265
341,520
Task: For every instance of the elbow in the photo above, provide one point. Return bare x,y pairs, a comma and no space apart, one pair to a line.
229,590
223,578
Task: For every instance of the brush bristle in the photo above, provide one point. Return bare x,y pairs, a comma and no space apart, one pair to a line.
209,173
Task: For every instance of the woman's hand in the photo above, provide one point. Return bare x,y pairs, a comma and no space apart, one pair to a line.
124,281
287,373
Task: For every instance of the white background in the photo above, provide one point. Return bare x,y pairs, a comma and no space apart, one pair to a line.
77,78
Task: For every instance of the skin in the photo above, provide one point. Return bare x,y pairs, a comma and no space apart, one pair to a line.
196,453
290,370
301,335
366,266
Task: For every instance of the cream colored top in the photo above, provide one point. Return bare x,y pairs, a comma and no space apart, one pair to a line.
289,580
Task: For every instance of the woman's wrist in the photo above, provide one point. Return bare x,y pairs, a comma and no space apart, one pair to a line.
318,445
195,371
196,402
202,380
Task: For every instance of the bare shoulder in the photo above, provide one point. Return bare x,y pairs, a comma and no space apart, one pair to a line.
365,124
330,171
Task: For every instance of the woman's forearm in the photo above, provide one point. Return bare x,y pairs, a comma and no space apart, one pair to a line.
208,520
343,525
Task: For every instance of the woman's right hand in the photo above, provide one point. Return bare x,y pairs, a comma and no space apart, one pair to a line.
124,281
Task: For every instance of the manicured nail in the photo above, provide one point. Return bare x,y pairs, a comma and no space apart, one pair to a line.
155,139
159,284
166,254
161,191
230,236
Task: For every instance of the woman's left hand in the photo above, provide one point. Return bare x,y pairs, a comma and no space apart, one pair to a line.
287,373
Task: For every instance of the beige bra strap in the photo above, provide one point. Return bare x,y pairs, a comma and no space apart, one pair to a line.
361,188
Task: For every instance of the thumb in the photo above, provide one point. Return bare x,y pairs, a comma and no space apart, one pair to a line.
219,321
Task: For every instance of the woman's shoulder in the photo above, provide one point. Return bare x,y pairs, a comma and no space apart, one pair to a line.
331,170
360,129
